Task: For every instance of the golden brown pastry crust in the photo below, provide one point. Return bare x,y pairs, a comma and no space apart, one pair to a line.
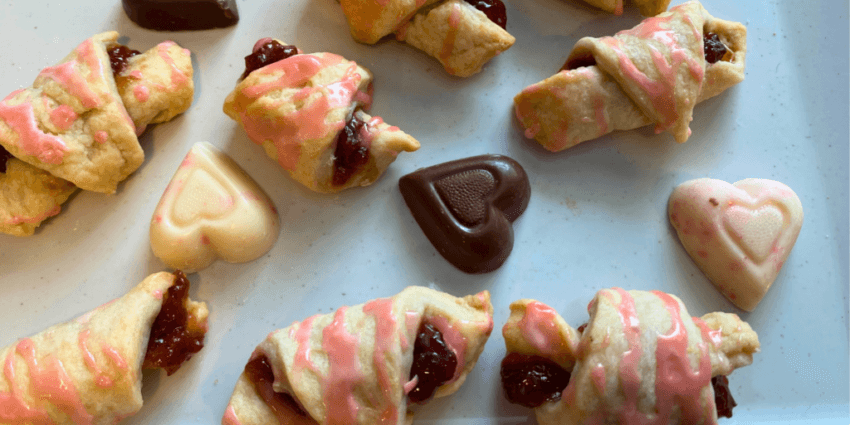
296,109
87,370
589,101
28,196
637,340
378,339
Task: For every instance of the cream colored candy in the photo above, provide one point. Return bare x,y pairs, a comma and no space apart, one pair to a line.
212,209
739,234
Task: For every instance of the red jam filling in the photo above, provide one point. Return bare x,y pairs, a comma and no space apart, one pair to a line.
175,336
4,156
723,396
351,152
266,54
532,380
434,363
494,9
715,50
582,328
260,374
118,57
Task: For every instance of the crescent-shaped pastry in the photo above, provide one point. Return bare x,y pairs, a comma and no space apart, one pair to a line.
654,73
458,34
88,371
154,87
364,364
307,111
641,359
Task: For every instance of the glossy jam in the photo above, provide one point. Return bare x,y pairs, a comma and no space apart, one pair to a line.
118,57
715,50
259,372
723,396
532,380
494,9
173,341
267,53
433,363
4,156
351,153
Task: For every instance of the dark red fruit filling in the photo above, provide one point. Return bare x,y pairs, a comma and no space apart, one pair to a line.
714,48
174,337
434,363
351,153
118,56
582,328
723,396
4,156
532,380
494,9
268,53
260,373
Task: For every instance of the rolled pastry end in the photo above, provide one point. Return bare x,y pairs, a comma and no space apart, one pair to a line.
29,196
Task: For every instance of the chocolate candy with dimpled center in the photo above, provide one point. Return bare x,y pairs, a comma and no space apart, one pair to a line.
466,208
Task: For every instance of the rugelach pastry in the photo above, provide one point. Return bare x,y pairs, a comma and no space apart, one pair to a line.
89,370
364,364
308,112
738,234
67,117
462,35
640,359
654,74
647,7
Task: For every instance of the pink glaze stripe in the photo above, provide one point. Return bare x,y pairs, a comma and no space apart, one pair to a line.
343,372
16,220
141,92
13,409
100,378
177,77
454,339
230,417
21,119
63,117
301,336
49,381
539,328
630,376
386,330
451,36
676,384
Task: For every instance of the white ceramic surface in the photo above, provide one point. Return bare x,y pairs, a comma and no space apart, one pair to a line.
596,218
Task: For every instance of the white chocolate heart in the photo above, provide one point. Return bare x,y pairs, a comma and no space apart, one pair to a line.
211,209
738,234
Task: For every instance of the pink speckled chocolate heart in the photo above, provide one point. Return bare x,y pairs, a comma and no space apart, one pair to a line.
738,234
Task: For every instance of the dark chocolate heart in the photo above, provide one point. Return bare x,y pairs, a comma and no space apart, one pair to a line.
180,15
466,207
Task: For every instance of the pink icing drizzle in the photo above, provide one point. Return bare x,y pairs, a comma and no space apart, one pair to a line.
68,75
63,117
50,381
343,372
301,360
539,328
13,409
385,330
101,137
629,364
141,92
676,384
230,417
410,385
449,43
661,92
21,119
597,375
177,77
100,379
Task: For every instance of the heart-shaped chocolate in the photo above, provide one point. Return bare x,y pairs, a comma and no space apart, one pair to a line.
466,208
212,209
738,234
180,15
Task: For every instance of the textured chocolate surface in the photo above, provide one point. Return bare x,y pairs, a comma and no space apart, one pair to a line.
466,208
180,15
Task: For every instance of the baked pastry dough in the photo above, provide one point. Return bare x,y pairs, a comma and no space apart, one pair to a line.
298,109
457,34
654,73
89,370
154,87
354,366
640,359
647,7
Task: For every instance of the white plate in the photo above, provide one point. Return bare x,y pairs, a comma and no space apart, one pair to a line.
596,218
